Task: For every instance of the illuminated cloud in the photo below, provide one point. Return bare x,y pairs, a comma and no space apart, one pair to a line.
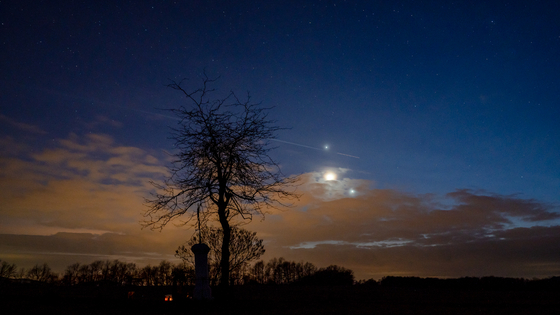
81,185
383,232
81,199
331,184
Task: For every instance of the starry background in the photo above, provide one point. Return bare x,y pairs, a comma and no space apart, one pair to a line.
441,116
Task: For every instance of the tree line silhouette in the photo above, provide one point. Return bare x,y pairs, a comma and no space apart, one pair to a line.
489,283
275,271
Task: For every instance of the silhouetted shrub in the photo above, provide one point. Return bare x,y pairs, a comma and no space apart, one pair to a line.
369,282
332,275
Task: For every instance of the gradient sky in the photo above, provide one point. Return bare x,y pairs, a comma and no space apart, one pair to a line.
441,120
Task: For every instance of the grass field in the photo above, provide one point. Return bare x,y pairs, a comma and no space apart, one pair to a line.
44,299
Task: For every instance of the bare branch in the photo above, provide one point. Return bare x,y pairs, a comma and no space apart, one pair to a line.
222,162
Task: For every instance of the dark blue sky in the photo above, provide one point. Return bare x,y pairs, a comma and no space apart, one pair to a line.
432,96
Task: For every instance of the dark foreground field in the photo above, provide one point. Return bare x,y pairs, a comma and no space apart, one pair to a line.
44,299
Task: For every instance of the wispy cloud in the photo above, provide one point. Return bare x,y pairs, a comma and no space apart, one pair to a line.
101,120
380,231
21,126
83,183
82,198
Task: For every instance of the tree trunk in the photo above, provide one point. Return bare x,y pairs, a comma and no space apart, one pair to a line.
224,263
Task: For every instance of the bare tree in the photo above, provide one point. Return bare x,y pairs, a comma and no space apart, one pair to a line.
71,274
257,272
164,272
42,273
96,269
7,270
244,247
183,275
281,271
222,164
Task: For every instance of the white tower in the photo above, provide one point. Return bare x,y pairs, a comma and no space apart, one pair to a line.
202,289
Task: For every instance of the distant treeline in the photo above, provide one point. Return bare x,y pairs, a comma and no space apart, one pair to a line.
281,271
470,283
276,271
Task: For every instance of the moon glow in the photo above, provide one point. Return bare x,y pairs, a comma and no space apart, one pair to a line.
329,176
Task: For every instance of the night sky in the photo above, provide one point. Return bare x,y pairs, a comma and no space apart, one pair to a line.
440,118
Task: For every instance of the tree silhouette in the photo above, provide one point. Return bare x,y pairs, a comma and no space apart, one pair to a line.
41,273
281,271
331,275
71,274
222,164
7,270
244,247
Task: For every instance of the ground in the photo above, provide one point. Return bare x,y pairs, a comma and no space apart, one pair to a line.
43,299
